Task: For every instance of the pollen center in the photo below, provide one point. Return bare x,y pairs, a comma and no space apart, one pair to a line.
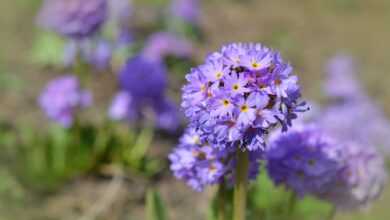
255,65
202,88
236,87
244,108
226,102
218,75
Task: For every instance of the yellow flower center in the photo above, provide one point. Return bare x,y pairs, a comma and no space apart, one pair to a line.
203,88
255,65
244,108
218,75
236,87
226,102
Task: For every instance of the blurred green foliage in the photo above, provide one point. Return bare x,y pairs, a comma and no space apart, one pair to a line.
155,208
47,49
45,160
269,202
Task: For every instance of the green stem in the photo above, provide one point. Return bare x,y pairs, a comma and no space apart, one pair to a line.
240,188
332,213
291,204
221,202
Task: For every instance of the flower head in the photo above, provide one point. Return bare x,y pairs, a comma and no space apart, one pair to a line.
75,19
61,99
239,94
199,165
162,44
143,85
304,159
360,181
341,81
187,10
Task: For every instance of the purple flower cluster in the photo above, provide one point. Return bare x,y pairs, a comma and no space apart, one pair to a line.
344,121
308,160
340,82
142,91
162,44
360,181
239,94
75,19
120,12
97,53
199,164
186,10
350,107
61,99
304,159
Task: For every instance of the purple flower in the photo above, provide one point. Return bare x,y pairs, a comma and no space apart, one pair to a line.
121,107
144,79
360,181
119,18
162,44
350,107
341,78
304,159
61,99
236,84
97,53
143,84
75,19
167,115
186,10
345,120
101,56
199,165
242,89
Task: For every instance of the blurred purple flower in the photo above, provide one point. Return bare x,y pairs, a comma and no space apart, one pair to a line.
120,12
186,10
304,159
341,81
362,121
62,98
121,107
101,56
350,107
97,53
339,170
143,84
162,44
361,180
75,19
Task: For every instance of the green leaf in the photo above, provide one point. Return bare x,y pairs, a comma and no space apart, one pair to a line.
47,49
155,209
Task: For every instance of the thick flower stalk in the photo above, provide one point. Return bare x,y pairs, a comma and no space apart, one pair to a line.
239,94
143,85
62,98
75,19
